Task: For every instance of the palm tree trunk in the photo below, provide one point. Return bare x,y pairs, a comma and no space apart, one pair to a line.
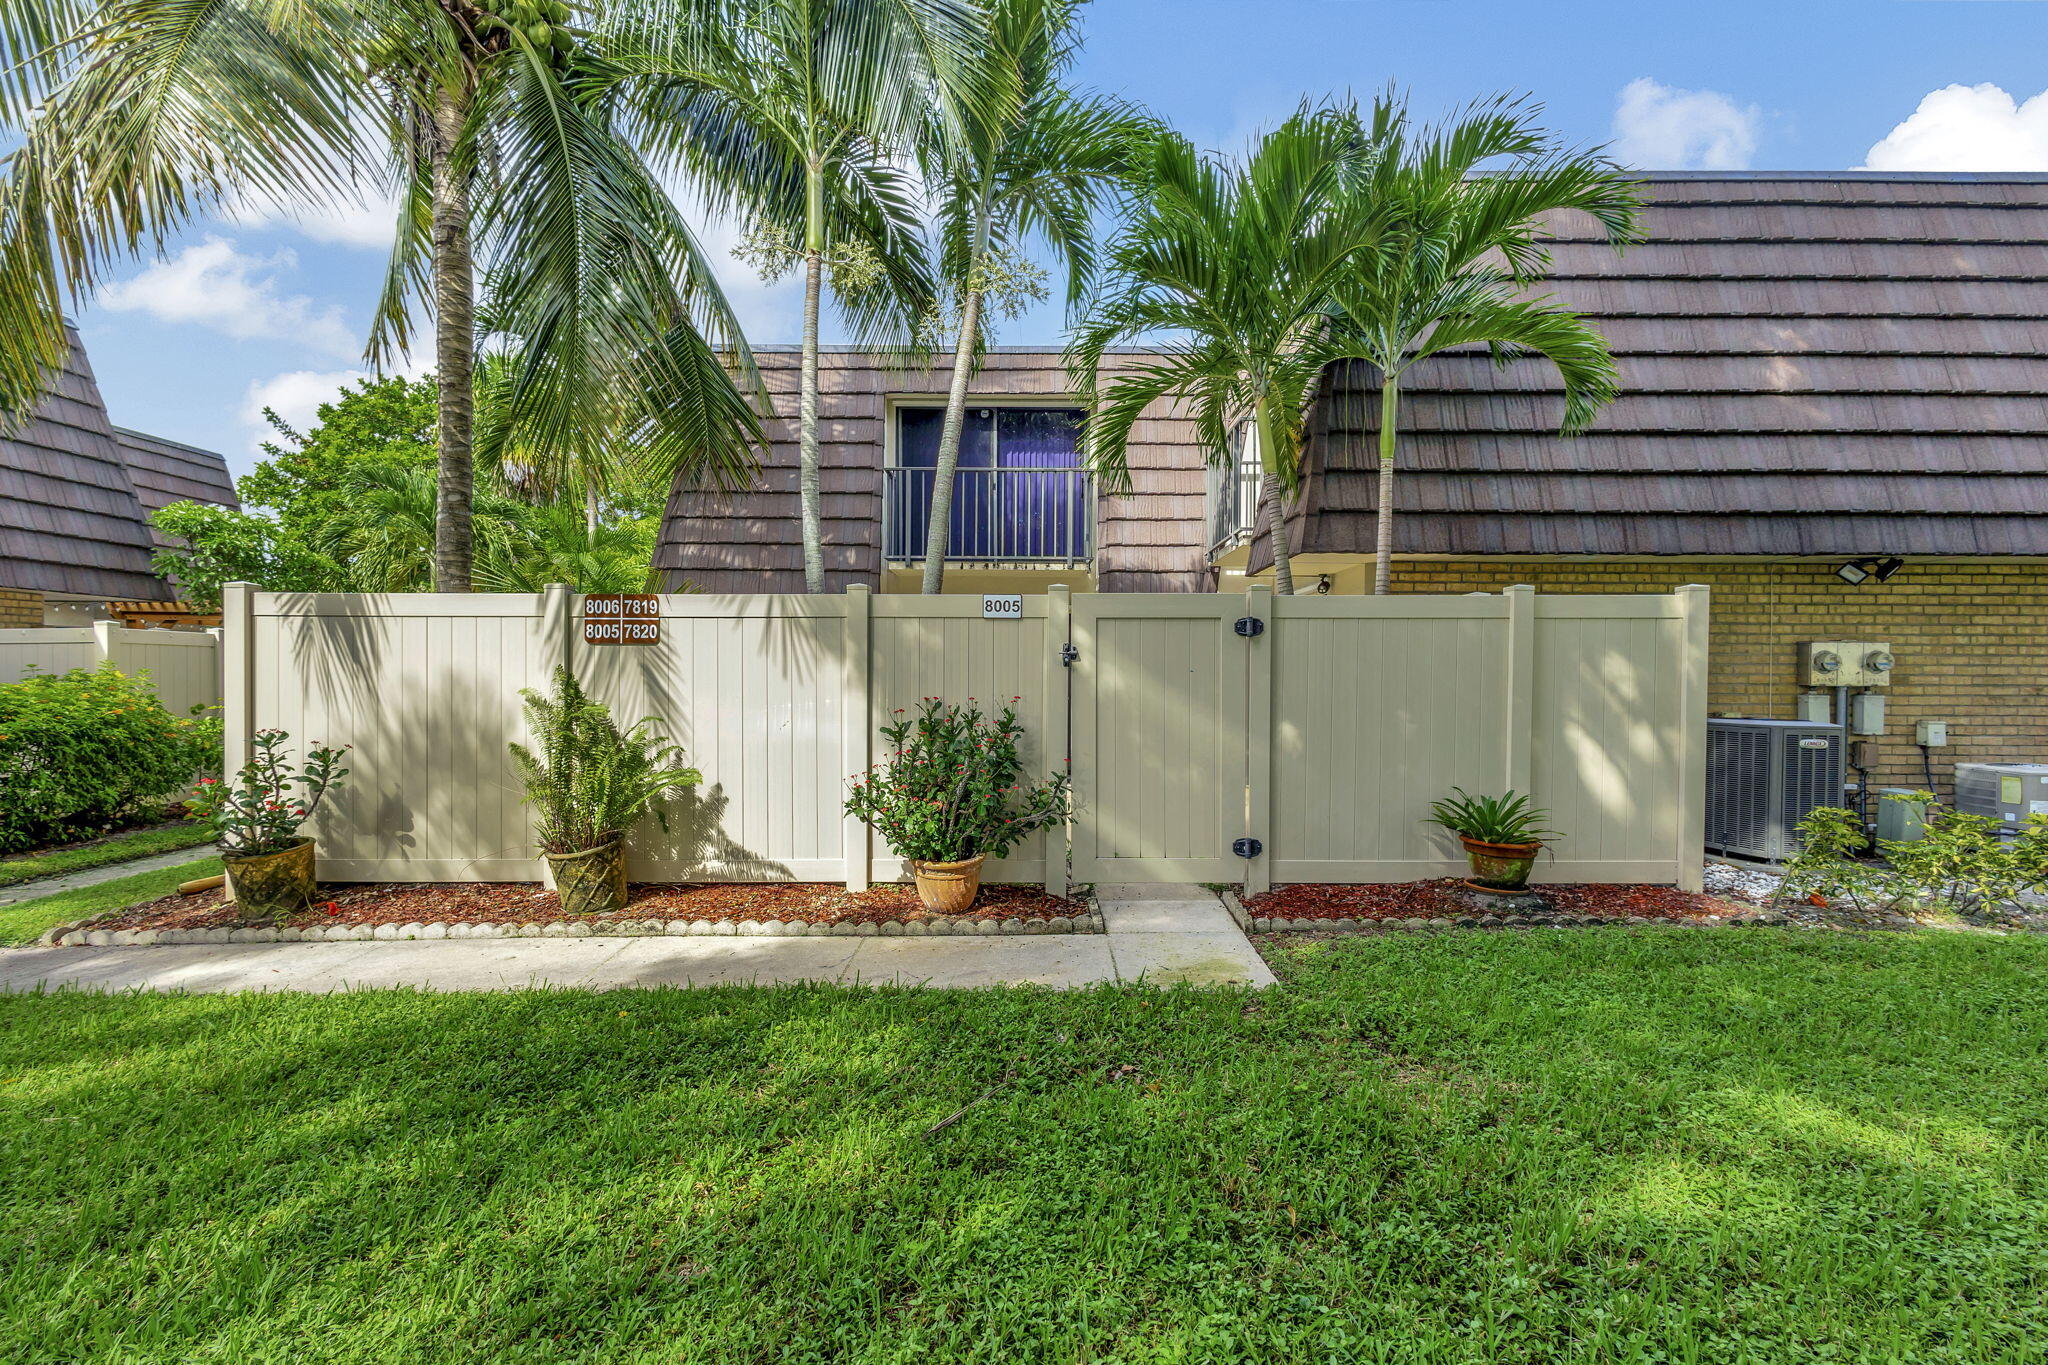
589,508
454,348
1383,513
937,532
808,494
1276,510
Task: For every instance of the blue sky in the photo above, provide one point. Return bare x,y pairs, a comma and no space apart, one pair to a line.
264,311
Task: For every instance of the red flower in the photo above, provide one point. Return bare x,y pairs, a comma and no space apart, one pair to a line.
333,909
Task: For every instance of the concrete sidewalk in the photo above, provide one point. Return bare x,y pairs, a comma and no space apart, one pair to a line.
93,876
1156,934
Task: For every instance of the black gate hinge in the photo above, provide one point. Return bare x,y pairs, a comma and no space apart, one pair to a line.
1248,626
1247,848
1069,653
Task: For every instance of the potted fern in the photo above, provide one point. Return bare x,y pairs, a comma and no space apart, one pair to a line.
1502,836
590,782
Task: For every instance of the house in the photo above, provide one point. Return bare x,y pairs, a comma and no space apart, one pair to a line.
1825,378
75,496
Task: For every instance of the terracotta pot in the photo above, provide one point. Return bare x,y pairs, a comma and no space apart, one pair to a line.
948,888
270,885
1500,867
591,881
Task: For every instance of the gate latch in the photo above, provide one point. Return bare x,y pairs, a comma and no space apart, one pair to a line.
1249,626
1247,848
1069,653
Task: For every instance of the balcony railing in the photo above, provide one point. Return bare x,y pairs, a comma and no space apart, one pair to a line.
1234,495
1041,514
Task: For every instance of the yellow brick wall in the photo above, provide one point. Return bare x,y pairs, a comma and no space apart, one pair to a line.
20,607
1971,640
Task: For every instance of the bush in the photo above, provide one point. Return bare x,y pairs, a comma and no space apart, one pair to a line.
85,751
953,786
1961,864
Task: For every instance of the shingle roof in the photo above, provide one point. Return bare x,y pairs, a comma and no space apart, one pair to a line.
72,512
1810,364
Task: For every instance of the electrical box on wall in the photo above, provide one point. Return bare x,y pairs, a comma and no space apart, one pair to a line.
1866,713
1816,708
1845,663
1932,733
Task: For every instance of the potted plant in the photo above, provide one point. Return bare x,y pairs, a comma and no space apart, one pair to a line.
951,795
590,782
256,818
1502,836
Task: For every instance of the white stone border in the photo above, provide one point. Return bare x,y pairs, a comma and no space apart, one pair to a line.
81,934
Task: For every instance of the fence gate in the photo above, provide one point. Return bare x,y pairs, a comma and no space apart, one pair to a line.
1159,714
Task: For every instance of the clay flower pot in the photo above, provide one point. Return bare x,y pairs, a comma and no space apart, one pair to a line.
1500,867
271,885
591,881
948,888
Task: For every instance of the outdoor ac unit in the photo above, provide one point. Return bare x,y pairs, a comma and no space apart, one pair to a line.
1763,776
2007,792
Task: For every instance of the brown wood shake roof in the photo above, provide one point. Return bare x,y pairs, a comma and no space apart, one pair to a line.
1810,365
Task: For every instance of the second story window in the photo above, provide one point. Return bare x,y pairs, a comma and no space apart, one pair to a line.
1020,494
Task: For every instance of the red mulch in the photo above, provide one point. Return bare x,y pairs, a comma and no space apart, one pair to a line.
1431,899
527,902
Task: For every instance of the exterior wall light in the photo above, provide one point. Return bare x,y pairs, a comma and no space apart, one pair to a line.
1869,567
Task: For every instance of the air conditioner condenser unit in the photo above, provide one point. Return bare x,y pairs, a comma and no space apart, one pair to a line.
1763,777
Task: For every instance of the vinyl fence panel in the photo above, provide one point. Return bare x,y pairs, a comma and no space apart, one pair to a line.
183,665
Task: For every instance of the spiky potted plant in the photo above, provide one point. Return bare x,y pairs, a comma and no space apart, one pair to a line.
1502,836
256,817
590,782
951,795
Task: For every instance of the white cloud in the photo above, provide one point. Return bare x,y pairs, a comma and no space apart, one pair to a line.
1967,128
366,221
214,285
1657,127
295,396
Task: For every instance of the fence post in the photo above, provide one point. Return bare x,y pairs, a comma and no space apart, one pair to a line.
237,674
1693,601
856,723
1258,772
1519,774
558,630
103,642
1057,741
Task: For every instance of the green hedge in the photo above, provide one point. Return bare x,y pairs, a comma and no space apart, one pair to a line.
85,751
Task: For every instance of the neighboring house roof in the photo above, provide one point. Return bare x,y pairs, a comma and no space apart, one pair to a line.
74,496
1811,364
166,471
751,540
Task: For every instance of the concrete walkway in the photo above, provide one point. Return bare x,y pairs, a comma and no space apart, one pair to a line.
93,876
1156,934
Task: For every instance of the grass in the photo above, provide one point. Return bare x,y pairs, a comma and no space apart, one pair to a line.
25,921
120,848
1656,1145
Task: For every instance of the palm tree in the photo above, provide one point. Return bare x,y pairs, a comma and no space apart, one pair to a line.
800,115
1234,265
1039,169
473,110
1463,248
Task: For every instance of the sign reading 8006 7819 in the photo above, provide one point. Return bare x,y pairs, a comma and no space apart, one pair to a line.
621,619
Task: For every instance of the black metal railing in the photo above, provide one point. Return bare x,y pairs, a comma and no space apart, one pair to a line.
1032,514
1234,497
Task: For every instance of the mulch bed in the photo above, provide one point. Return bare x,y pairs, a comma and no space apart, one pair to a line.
528,903
1443,898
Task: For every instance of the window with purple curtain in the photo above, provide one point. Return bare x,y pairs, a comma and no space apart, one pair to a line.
1019,493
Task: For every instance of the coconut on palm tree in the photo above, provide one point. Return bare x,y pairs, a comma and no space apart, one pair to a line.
1038,170
803,116
508,162
1233,264
1463,251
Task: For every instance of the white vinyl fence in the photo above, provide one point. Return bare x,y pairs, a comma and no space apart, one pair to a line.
1318,727
183,664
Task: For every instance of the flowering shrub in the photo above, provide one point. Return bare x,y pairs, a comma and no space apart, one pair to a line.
953,786
258,812
86,751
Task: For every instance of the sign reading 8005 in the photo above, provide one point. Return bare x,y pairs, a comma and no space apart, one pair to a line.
621,619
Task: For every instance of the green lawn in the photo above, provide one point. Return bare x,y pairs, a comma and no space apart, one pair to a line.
1658,1145
119,848
24,921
